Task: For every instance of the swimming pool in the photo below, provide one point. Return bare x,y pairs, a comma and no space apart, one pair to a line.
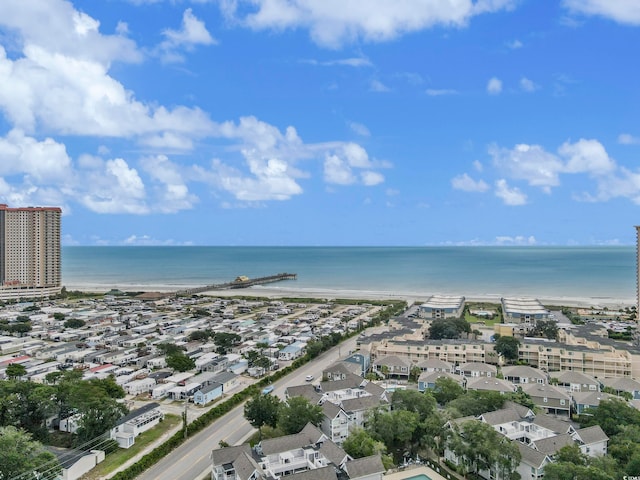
422,476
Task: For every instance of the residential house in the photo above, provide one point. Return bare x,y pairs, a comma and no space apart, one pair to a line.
365,468
431,365
207,394
488,384
576,381
392,366
427,380
521,374
340,370
620,385
228,380
135,423
335,423
293,351
477,369
551,399
583,401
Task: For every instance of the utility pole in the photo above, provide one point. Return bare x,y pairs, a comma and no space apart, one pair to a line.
184,419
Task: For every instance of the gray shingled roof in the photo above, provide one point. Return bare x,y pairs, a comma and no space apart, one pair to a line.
362,467
490,384
551,423
591,435
374,389
478,367
223,456
551,445
361,403
330,410
333,453
431,377
435,363
351,381
530,456
569,376
549,391
523,371
591,398
521,409
245,465
307,391
324,473
621,383
310,435
501,416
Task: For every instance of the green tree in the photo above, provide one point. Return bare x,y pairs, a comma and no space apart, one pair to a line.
59,316
446,390
169,348
475,402
225,341
413,401
262,410
360,444
508,347
20,454
74,323
199,335
612,415
180,362
296,413
546,328
15,371
395,429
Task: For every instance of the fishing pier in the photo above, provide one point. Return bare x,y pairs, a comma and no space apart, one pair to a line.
240,282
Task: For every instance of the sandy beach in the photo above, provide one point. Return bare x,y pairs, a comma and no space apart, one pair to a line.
273,291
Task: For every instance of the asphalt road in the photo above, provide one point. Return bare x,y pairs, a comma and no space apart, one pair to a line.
191,461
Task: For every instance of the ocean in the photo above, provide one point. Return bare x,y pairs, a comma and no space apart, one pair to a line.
595,273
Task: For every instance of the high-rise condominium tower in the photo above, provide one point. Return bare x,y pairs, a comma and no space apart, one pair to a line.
29,251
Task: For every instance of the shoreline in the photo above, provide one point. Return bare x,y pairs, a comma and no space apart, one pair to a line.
411,297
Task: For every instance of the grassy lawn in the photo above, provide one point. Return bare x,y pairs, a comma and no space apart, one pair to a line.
117,458
483,306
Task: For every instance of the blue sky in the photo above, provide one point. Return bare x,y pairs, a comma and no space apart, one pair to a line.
324,122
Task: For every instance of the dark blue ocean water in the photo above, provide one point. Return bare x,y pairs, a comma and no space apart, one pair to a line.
552,272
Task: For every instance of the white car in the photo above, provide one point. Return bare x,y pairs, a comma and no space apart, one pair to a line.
308,378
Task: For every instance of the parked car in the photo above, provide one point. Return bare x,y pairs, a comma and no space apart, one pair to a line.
308,378
267,390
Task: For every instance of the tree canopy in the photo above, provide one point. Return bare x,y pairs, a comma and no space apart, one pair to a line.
262,410
448,328
20,454
508,347
296,413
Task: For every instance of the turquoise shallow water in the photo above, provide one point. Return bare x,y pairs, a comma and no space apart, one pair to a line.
552,272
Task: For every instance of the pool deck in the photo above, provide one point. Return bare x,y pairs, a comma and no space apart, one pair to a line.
414,471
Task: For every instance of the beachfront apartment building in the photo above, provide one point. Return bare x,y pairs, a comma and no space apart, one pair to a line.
442,306
29,252
598,360
523,311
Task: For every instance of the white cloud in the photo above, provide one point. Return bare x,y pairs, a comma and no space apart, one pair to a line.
192,32
586,156
517,240
494,86
147,240
356,62
477,164
333,23
528,85
172,193
116,188
337,172
621,11
359,129
438,92
510,196
467,184
515,44
378,86
371,179
528,162
628,139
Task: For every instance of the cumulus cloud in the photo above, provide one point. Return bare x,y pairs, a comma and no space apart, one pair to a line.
356,62
193,32
333,23
467,184
528,162
621,11
509,195
515,44
494,86
172,192
517,240
378,86
528,85
628,139
359,129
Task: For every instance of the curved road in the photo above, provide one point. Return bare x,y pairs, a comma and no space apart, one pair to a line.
191,460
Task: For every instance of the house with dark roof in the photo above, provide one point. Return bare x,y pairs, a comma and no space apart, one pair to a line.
392,366
622,384
427,380
136,422
521,374
551,399
582,401
576,381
